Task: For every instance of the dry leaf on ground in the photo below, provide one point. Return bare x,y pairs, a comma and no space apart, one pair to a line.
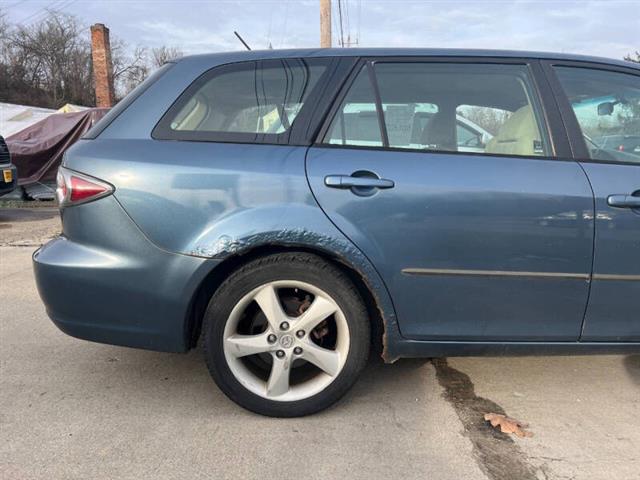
508,425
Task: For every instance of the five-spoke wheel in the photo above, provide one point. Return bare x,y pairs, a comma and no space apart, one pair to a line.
286,335
290,341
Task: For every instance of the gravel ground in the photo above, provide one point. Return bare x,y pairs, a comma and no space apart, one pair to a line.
28,226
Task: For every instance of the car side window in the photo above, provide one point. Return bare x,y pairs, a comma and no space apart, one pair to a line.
451,107
356,121
477,125
607,107
249,98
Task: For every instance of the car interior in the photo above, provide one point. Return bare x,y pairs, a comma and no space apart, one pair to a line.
607,107
259,103
446,88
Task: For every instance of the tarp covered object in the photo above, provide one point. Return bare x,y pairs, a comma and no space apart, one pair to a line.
70,107
14,118
37,150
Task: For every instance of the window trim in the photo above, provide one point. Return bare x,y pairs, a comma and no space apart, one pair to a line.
580,151
382,121
550,120
327,119
300,132
443,152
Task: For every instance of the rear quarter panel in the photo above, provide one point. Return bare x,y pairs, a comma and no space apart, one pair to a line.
218,201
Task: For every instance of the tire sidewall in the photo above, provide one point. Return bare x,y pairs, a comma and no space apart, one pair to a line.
295,268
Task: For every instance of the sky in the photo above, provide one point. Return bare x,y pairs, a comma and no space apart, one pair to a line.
603,28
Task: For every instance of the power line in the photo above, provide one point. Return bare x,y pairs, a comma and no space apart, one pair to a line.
15,4
359,21
286,18
340,19
347,22
40,11
44,12
334,20
270,28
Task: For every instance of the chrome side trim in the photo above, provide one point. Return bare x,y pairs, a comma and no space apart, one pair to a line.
623,278
495,273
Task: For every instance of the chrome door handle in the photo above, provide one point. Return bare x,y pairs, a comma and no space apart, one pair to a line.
623,201
348,181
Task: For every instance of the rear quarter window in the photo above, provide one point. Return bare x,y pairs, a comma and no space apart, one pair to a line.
248,102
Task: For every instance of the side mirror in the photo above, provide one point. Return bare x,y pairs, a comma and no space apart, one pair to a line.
605,108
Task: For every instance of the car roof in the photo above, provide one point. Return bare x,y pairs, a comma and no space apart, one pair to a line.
238,56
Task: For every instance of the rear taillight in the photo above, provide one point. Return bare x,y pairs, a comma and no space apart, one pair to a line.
74,188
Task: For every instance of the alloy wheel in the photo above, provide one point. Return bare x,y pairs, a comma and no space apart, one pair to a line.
302,351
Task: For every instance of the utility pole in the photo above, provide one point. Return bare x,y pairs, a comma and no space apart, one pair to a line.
325,23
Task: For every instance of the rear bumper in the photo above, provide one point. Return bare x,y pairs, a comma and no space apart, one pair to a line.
116,287
6,187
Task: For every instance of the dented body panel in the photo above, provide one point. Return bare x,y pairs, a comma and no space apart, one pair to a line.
219,201
182,210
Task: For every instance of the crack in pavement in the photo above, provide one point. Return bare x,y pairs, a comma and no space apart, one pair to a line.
497,454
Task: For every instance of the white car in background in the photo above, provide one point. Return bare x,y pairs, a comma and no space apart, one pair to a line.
407,126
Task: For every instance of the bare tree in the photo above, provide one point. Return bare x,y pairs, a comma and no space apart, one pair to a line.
490,119
631,117
4,27
129,68
47,63
162,55
633,58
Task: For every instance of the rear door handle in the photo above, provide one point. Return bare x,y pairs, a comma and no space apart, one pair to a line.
348,181
623,201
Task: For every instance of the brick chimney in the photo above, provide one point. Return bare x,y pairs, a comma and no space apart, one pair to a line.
102,67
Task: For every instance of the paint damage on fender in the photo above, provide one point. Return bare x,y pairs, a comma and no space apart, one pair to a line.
226,246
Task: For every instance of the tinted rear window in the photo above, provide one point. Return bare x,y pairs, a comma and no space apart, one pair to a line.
246,102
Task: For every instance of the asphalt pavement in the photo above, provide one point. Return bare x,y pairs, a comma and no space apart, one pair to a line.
70,409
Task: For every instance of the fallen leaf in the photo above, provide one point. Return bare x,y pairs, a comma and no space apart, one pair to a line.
508,425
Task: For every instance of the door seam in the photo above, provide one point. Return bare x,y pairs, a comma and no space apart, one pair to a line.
373,266
593,251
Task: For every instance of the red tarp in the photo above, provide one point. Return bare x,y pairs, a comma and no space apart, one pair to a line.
37,150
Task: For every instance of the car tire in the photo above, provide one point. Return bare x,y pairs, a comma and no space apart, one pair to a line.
320,365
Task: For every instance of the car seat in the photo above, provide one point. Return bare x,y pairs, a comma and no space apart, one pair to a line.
519,135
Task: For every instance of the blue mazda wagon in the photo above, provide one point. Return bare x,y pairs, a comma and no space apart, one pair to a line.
293,210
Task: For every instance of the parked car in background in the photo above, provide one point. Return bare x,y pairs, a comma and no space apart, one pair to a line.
8,173
408,121
621,143
291,208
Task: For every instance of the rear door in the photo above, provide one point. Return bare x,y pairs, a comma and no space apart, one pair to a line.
492,242
601,107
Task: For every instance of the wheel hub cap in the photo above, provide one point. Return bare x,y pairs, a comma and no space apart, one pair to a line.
286,341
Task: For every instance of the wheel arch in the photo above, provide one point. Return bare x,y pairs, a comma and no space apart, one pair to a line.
373,292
